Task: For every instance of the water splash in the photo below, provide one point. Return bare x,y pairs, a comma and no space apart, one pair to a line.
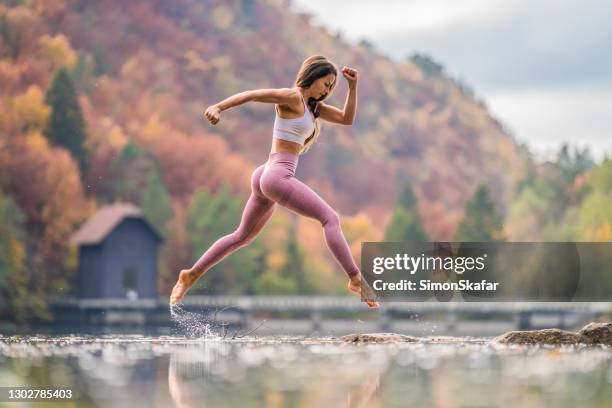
192,324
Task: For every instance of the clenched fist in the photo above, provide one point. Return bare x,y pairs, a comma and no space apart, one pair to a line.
350,74
213,114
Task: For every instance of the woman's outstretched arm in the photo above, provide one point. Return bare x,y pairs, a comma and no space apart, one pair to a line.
280,96
347,115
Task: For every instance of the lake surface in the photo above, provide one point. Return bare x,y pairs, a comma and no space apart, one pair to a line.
211,370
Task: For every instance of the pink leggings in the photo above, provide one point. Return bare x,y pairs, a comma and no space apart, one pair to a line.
271,183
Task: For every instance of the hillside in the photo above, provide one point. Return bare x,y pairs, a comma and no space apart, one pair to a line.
144,71
156,65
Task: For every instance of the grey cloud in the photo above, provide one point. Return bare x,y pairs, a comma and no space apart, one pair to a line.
544,45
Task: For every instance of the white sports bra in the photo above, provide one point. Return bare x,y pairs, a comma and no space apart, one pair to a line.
294,130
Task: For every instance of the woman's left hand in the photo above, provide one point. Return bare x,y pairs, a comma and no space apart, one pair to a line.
350,74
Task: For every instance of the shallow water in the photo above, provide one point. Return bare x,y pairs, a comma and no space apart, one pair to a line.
297,371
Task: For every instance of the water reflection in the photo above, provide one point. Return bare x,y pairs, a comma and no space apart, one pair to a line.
279,371
273,375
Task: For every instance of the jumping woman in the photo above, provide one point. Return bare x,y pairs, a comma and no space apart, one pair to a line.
296,128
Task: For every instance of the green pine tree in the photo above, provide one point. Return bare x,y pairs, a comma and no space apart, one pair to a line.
294,268
130,174
407,199
430,67
155,201
66,127
573,163
100,60
405,224
83,74
481,222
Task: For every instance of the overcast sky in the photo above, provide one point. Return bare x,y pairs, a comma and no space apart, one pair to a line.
544,67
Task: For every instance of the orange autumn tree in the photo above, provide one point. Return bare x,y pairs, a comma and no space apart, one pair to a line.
42,179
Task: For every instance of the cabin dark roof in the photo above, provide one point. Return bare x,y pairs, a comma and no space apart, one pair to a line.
96,228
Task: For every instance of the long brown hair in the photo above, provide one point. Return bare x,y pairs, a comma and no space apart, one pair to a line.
313,68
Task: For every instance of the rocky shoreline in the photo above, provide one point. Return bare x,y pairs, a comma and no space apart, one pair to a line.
592,334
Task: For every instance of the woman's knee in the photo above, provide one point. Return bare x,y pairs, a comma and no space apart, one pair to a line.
331,217
240,238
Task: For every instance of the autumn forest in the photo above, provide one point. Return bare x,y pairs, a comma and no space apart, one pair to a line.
102,102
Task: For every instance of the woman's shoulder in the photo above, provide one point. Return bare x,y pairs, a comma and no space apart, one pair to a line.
294,100
296,95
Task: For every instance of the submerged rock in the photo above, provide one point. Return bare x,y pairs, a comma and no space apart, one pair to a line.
592,333
597,333
545,336
377,338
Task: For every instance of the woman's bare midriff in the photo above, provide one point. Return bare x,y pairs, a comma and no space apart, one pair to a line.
280,145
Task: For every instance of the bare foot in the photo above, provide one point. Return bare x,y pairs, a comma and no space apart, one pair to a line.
186,279
358,285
